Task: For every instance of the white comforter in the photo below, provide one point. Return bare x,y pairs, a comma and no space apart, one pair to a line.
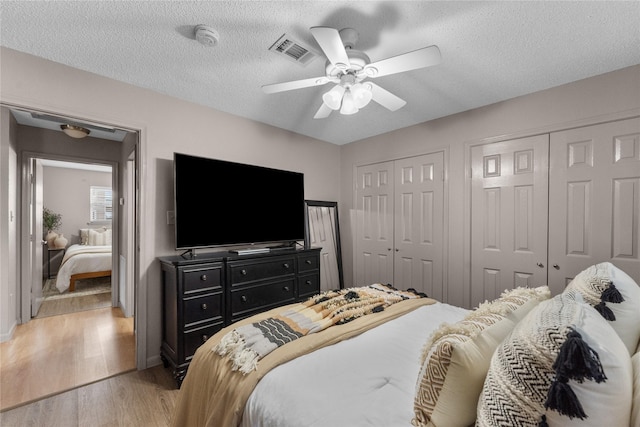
82,259
368,380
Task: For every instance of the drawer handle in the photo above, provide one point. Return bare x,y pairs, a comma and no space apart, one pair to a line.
308,261
243,272
205,338
243,298
203,277
286,289
286,265
204,306
308,282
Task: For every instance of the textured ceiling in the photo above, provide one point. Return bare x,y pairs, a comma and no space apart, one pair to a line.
491,51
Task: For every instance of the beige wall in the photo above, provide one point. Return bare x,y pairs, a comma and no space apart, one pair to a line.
66,191
586,101
166,125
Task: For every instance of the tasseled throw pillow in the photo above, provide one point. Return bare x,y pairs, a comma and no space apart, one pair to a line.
563,365
456,358
615,295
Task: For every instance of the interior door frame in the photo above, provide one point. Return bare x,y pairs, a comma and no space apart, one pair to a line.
141,286
547,129
27,269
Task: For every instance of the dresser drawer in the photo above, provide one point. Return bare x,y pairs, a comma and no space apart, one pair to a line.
308,285
308,263
199,279
261,297
244,273
196,337
203,308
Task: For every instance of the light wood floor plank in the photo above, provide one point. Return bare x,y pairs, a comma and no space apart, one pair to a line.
52,354
139,398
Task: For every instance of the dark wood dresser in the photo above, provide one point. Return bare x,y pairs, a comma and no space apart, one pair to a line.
203,294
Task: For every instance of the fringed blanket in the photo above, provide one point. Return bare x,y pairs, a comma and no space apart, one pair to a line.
213,395
246,345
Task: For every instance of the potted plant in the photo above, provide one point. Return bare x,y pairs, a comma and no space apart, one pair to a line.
51,221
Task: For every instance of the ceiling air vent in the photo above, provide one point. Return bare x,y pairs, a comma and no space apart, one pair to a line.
293,50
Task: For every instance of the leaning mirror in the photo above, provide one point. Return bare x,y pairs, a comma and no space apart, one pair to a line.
322,230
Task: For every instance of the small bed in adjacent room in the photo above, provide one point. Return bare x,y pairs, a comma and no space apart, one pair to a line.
424,363
83,262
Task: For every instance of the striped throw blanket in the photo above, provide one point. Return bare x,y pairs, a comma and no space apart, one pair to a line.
247,344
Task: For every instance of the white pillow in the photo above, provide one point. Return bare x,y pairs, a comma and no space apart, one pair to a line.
597,284
456,358
100,237
84,236
528,371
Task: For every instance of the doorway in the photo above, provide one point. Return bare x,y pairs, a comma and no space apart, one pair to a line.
76,204
110,146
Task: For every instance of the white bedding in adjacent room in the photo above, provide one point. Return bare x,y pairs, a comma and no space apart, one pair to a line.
82,259
346,384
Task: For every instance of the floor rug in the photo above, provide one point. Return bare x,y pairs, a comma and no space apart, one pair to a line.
97,285
90,294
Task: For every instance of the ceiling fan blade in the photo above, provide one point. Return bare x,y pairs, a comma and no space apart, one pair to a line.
421,58
386,98
331,44
297,84
323,112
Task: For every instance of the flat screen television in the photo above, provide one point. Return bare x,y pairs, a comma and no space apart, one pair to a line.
222,203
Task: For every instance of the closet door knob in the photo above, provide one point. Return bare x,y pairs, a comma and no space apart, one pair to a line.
539,264
556,266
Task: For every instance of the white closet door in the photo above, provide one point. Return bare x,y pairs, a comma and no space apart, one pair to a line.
374,224
509,210
419,236
594,200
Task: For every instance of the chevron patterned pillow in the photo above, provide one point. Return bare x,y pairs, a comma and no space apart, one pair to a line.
562,365
615,295
456,358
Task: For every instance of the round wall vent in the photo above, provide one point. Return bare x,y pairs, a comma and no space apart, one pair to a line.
207,35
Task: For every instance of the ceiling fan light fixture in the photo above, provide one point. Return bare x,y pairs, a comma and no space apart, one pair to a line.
75,131
361,94
333,98
348,104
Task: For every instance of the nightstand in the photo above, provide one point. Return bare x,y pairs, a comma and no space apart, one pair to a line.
49,251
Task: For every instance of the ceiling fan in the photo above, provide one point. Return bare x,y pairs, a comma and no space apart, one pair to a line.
348,68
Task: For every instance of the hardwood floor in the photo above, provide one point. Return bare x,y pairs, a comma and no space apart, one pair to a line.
49,355
135,399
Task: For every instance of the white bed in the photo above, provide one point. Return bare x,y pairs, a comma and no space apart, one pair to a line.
345,384
83,261
510,361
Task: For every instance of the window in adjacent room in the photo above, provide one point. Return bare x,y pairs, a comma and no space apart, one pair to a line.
101,200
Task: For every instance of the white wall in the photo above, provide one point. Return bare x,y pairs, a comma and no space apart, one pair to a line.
66,192
586,101
166,125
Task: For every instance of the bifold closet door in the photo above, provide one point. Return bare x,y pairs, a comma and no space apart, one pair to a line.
418,224
399,224
594,200
374,224
509,210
